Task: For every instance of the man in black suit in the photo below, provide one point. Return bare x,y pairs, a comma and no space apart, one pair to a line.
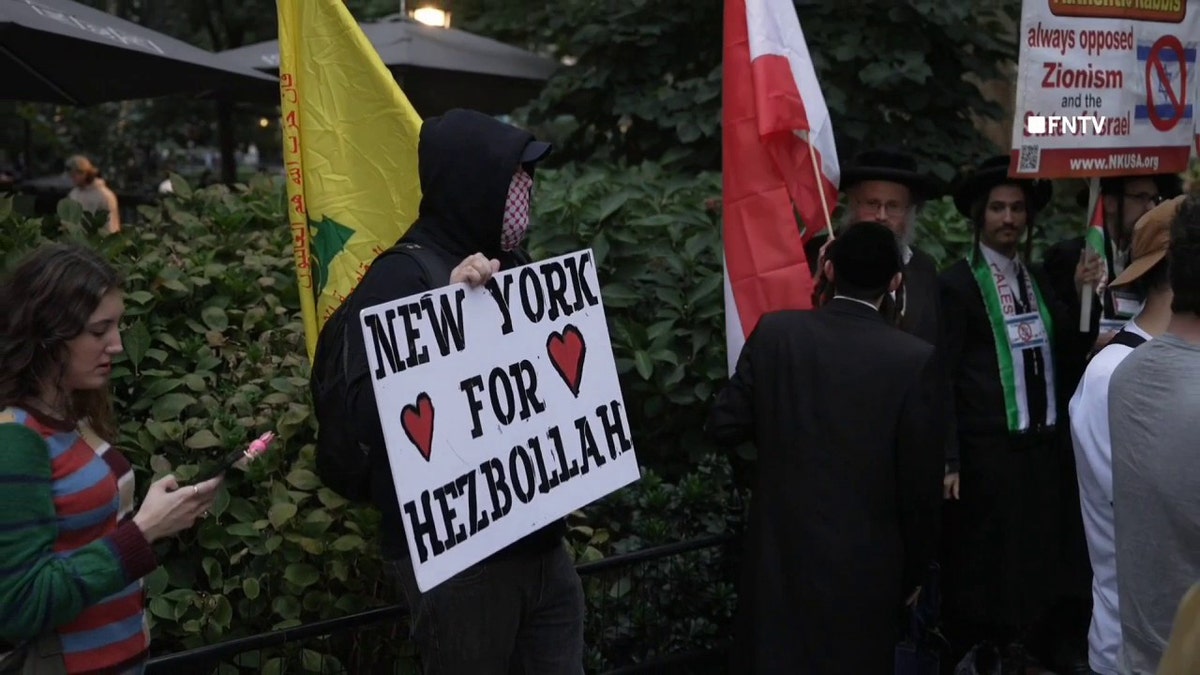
884,186
844,517
1125,200
1006,334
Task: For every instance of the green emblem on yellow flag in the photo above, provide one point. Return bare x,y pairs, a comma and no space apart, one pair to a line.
328,240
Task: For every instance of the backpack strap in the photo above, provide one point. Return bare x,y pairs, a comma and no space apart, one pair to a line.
436,271
1126,338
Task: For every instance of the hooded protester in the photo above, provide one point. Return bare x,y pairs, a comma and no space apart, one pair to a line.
521,610
1004,335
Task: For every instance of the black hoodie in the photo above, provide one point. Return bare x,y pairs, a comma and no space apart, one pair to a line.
466,160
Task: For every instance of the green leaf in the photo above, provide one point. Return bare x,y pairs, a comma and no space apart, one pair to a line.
156,581
136,340
242,530
645,367
162,608
170,406
212,568
180,186
215,318
139,297
331,499
212,536
250,587
301,574
194,382
281,513
303,479
70,211
348,542
159,387
202,439
275,665
222,611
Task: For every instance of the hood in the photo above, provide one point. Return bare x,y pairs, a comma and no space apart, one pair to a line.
466,161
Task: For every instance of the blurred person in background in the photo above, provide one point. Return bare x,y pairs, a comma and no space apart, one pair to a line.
91,192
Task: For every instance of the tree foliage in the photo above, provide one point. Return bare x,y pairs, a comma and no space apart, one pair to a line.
646,74
640,78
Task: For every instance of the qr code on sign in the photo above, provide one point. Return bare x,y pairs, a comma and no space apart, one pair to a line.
1029,159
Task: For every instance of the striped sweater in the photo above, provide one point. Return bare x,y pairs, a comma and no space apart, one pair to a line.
71,559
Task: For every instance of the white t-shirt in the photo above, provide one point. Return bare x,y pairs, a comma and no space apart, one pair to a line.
96,196
1093,465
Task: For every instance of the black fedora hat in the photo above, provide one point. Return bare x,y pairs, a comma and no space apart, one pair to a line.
1169,186
991,172
892,165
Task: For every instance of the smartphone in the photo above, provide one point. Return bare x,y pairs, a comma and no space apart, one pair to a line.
255,450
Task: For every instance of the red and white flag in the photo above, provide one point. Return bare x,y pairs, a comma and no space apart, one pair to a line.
775,133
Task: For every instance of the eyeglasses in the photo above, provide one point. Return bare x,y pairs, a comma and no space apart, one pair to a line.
1144,197
872,206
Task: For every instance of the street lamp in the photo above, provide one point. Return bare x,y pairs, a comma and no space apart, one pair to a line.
432,16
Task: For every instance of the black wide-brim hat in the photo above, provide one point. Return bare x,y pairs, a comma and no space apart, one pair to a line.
894,166
993,171
1169,186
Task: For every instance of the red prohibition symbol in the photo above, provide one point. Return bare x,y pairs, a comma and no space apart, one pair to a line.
1178,100
1025,332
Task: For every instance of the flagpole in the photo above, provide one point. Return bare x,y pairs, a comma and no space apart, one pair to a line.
1085,298
812,153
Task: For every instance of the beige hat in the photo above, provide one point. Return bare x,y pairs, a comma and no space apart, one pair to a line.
1151,237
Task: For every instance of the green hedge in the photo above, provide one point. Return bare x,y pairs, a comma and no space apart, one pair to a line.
214,356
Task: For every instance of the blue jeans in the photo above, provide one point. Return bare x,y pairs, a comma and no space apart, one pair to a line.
521,614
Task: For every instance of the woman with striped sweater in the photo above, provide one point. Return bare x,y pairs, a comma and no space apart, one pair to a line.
73,550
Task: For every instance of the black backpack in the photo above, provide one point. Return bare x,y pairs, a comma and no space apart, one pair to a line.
343,459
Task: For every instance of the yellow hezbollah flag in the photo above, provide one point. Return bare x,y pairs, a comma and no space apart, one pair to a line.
350,153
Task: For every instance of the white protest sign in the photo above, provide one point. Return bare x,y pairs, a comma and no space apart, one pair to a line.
500,408
1105,88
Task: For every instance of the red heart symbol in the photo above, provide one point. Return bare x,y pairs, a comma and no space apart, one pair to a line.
417,421
566,351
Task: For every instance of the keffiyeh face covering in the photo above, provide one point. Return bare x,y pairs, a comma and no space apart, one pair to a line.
516,210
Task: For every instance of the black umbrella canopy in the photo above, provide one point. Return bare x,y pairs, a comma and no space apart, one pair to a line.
58,51
438,68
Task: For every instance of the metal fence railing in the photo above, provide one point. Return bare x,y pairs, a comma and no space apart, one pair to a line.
666,609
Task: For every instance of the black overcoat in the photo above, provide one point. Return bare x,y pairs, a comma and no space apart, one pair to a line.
844,514
1004,555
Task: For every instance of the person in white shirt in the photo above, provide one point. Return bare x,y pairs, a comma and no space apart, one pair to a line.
1146,273
91,192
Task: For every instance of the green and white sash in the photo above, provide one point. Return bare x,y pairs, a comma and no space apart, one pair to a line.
1015,334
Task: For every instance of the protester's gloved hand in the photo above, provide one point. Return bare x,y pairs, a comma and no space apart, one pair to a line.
475,269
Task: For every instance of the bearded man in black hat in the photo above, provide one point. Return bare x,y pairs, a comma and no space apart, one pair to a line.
884,186
1005,331
1126,199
